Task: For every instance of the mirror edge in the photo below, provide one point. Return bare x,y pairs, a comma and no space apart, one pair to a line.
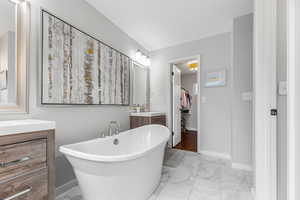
132,82
22,60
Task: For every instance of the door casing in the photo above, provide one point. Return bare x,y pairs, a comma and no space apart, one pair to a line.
171,62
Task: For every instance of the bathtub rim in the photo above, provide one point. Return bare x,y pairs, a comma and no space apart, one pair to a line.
67,151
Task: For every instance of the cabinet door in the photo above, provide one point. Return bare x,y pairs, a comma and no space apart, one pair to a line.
136,122
159,120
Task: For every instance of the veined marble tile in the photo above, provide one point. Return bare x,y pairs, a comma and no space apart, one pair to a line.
173,158
191,176
205,194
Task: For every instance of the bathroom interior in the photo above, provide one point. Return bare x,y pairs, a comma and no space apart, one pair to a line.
109,100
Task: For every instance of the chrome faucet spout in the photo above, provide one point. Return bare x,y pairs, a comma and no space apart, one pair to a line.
113,128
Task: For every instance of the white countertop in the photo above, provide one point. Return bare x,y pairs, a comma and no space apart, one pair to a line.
148,114
24,126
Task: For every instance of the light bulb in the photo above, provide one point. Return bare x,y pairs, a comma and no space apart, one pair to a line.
143,59
148,62
138,55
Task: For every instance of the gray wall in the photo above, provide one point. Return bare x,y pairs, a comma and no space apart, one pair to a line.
187,82
242,83
74,123
215,116
225,119
282,100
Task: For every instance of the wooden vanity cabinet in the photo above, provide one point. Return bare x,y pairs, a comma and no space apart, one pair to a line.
138,121
27,169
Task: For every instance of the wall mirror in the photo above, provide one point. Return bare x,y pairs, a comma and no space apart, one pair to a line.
140,85
14,40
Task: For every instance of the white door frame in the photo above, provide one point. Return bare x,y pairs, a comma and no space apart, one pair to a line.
176,128
293,97
265,38
174,61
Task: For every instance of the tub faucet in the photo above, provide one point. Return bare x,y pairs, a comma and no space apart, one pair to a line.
113,128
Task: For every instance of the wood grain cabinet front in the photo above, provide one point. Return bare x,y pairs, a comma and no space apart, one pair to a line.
32,186
20,158
138,121
27,166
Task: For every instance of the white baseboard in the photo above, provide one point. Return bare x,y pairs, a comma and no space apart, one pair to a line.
241,166
216,154
191,129
67,186
253,192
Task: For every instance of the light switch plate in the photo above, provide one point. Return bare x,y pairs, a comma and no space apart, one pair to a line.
247,96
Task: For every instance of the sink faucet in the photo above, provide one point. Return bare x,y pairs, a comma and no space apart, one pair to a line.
113,128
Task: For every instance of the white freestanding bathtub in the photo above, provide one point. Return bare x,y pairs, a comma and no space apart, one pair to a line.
130,170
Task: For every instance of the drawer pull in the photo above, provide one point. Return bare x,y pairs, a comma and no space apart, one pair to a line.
18,194
15,162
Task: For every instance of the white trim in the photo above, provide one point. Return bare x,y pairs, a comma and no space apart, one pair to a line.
199,108
241,166
170,116
191,129
64,188
215,154
265,38
291,99
195,57
253,192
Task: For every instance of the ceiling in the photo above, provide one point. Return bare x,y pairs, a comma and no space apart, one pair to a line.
157,24
7,17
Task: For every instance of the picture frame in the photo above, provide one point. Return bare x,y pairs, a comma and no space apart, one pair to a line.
215,78
79,69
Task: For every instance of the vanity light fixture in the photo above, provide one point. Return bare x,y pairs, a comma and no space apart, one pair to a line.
142,58
138,55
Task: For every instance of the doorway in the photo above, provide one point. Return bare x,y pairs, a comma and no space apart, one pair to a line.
185,89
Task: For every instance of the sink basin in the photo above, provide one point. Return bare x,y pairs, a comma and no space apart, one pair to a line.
148,114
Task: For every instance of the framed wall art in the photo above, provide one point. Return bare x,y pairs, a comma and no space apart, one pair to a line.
215,79
78,69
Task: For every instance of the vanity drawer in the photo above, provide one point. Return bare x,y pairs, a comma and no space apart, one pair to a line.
20,158
32,186
137,121
159,120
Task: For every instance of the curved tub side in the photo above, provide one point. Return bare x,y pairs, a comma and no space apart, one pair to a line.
118,177
120,180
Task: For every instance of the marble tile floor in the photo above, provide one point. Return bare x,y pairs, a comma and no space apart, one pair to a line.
191,176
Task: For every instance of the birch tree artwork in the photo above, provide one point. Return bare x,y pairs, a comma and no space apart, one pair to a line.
78,69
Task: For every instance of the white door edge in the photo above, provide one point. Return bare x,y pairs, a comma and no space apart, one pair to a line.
265,37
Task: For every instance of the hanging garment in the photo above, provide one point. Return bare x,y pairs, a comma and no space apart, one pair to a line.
186,100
